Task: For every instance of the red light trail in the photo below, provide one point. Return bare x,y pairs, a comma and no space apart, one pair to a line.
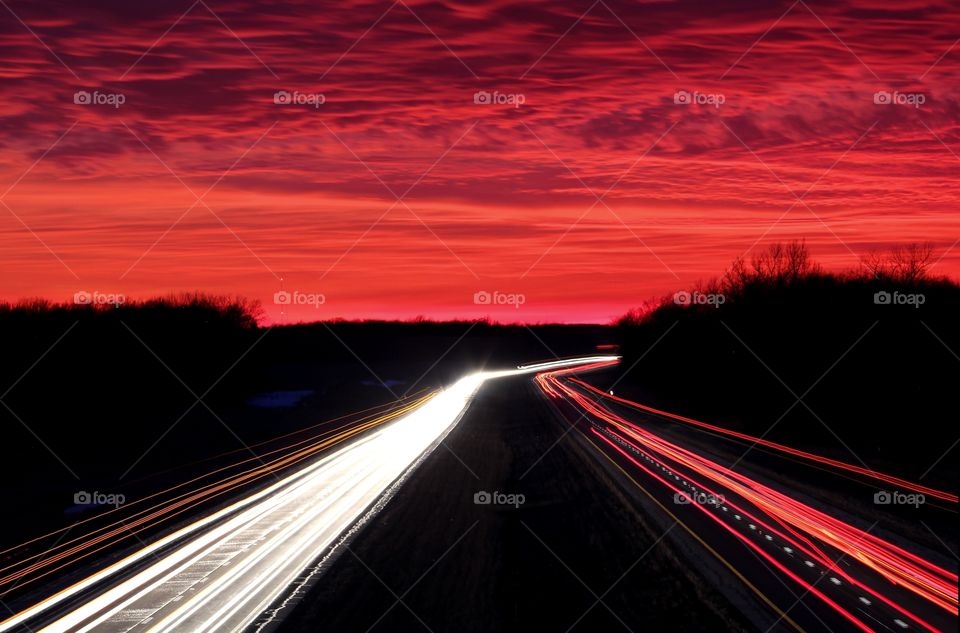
798,529
890,479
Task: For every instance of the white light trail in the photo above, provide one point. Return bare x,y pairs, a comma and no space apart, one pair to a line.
231,565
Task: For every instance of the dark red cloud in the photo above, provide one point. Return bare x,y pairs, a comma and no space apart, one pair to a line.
797,148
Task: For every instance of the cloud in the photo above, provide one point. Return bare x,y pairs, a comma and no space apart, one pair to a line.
498,184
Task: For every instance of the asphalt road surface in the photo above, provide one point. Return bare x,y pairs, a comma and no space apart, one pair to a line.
550,506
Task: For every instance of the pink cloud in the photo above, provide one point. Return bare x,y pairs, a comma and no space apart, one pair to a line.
493,188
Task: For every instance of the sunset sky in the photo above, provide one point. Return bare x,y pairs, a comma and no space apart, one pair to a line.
400,195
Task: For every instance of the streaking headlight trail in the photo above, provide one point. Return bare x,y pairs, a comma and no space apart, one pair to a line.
222,571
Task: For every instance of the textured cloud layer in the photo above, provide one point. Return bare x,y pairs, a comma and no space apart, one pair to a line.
671,137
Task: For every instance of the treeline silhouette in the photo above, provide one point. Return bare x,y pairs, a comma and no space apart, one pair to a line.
109,349
97,380
92,380
859,364
112,388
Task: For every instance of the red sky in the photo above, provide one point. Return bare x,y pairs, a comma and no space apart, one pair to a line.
103,198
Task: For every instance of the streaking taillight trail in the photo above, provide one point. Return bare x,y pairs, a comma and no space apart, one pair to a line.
805,530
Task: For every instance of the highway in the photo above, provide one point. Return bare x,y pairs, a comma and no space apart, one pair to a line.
223,570
846,577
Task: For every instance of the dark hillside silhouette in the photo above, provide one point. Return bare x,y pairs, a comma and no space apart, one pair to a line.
871,352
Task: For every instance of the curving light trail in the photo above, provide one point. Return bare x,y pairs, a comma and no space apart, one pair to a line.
135,521
890,479
222,571
800,530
